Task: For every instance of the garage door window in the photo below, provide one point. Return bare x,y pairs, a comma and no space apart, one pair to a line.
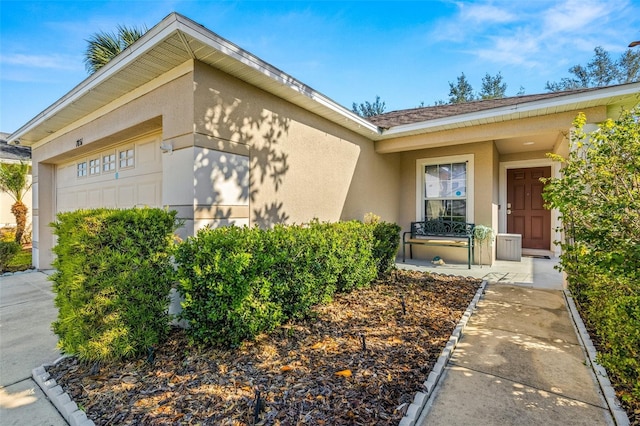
109,163
94,166
126,158
82,169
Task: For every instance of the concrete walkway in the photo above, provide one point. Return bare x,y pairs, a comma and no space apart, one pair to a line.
519,360
26,342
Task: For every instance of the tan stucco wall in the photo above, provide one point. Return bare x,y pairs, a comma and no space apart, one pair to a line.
485,191
168,107
302,166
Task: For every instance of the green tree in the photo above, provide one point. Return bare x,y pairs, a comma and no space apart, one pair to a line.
461,91
492,87
601,71
14,180
629,66
103,46
598,197
367,109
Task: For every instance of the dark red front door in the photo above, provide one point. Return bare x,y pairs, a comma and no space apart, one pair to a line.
526,214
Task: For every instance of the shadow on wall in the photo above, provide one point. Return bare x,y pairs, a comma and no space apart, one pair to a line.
226,181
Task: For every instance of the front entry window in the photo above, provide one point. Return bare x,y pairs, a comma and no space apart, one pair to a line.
445,188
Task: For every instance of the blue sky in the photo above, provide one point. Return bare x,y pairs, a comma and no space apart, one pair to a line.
405,52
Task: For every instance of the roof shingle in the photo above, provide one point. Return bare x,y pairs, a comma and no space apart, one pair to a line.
417,115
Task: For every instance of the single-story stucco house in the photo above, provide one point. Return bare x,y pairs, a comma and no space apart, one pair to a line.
186,119
13,154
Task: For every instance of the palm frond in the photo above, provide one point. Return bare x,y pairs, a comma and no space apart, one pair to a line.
104,46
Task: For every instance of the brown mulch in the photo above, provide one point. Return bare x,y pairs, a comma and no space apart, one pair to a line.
357,361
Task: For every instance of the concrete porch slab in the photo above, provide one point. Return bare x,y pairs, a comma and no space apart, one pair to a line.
541,322
468,397
555,366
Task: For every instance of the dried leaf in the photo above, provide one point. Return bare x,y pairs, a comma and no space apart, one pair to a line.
285,368
344,373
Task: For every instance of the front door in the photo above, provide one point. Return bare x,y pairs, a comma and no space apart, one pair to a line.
526,214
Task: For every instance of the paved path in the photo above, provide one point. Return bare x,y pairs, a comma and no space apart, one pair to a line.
519,362
26,342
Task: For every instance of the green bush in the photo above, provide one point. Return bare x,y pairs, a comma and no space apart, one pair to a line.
222,279
387,240
239,282
8,250
112,283
598,197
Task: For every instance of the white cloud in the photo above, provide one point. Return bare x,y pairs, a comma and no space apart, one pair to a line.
536,33
55,62
484,14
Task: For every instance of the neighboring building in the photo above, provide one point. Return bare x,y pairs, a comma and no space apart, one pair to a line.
13,154
184,118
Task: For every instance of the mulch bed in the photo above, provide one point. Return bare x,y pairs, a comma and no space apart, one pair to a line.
357,361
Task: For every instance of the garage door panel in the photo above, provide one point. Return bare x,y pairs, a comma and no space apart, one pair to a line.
81,199
137,185
149,157
109,197
95,197
149,193
66,201
126,195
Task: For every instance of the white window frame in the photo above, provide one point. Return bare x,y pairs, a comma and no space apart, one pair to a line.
110,164
421,163
82,169
128,158
94,165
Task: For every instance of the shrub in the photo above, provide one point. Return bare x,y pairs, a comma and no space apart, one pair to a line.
8,250
598,196
239,282
222,279
112,281
386,242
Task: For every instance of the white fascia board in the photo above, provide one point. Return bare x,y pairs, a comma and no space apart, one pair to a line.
172,23
464,120
145,43
208,37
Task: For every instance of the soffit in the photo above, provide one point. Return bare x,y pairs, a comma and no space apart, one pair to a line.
169,44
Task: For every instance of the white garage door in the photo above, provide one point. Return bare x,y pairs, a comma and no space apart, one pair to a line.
127,175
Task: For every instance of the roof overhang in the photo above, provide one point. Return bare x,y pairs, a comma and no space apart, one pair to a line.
627,94
173,41
177,39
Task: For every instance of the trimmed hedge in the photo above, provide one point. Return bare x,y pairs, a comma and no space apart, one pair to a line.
114,275
240,282
112,283
8,250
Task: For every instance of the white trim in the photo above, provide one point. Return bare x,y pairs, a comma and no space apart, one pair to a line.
422,162
502,197
152,85
524,109
178,24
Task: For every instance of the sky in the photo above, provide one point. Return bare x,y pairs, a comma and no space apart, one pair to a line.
351,51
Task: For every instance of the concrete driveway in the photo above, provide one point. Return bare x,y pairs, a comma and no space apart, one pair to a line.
26,342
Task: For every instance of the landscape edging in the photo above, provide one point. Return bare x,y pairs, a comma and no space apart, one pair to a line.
58,397
620,417
421,399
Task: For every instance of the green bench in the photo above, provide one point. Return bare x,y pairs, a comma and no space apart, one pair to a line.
438,232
